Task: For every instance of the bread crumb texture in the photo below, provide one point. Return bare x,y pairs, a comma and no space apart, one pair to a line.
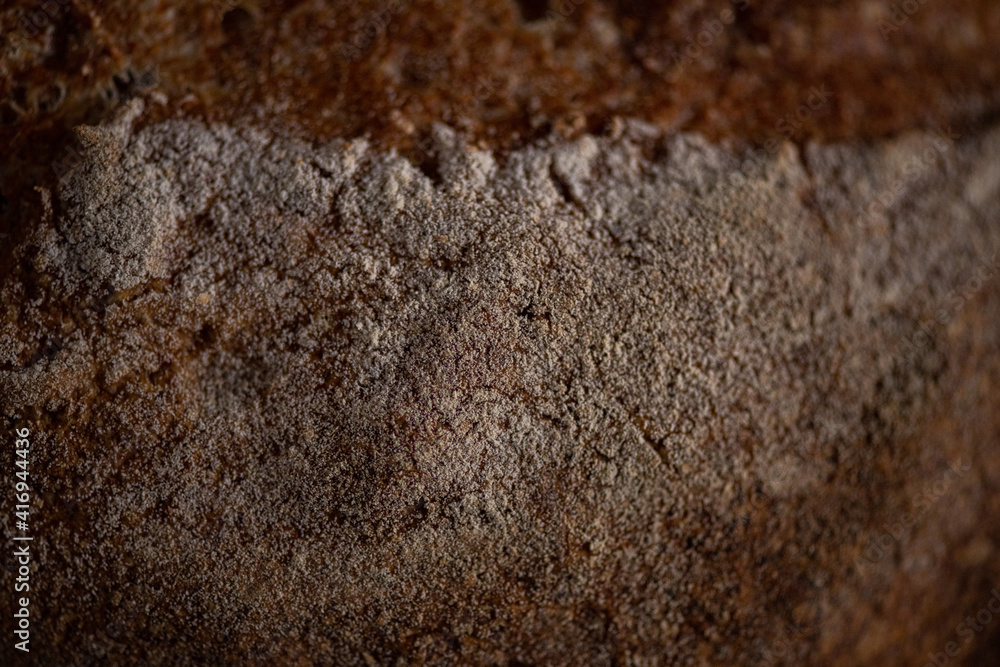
629,399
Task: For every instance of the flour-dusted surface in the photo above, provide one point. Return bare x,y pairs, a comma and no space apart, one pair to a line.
631,399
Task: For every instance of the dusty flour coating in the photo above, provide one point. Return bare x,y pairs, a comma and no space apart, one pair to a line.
631,399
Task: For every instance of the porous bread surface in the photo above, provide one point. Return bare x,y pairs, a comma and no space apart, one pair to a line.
631,398
503,71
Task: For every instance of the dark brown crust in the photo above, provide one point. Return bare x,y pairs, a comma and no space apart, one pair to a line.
388,68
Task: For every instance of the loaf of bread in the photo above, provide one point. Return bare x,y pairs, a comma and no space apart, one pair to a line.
503,333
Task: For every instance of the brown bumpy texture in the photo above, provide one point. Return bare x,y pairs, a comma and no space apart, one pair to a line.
444,333
633,399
